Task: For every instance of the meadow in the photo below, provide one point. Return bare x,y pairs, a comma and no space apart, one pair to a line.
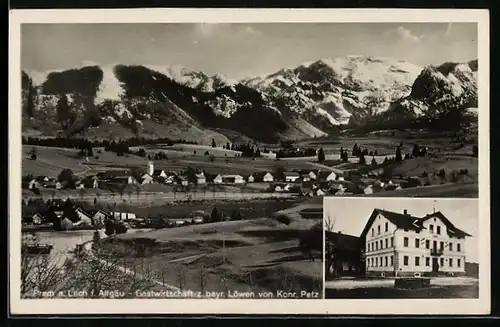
252,255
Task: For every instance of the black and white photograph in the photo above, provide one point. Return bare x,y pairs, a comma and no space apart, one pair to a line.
401,248
171,154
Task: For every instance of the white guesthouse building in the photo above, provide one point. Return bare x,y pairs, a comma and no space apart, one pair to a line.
398,244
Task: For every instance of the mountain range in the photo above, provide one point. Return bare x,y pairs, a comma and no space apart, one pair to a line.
311,100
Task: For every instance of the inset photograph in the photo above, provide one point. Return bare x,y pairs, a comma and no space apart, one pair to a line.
401,248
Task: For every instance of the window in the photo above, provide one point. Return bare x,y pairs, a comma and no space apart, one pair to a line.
373,231
417,261
451,262
368,247
427,244
376,261
376,246
392,261
450,246
427,261
431,228
458,263
458,247
378,229
381,244
405,241
386,243
386,226
434,245
441,246
417,242
392,242
441,262
438,230
405,260
386,261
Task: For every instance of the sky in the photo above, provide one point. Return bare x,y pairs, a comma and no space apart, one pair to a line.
241,50
350,215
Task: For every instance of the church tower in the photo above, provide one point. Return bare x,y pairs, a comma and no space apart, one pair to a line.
151,168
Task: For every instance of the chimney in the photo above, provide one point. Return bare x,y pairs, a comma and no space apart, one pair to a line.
405,212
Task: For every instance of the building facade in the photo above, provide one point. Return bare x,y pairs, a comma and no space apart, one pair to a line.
399,244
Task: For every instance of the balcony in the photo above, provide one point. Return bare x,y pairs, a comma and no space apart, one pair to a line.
437,252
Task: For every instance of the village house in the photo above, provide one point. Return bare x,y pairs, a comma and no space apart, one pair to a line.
200,178
399,244
368,189
159,173
182,180
85,219
291,176
311,174
218,179
37,219
124,179
319,192
327,176
268,178
250,179
233,179
99,217
147,179
344,255
123,216
33,184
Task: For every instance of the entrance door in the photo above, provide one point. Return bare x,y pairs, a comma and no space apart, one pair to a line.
435,265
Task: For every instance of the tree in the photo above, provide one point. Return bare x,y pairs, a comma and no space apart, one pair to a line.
416,151
228,146
90,151
398,158
374,162
321,155
67,177
355,150
214,145
33,153
63,112
362,159
475,150
215,216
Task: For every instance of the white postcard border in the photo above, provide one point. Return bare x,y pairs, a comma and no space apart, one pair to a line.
261,306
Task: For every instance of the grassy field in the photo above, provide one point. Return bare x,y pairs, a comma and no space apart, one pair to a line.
387,145
418,166
257,255
50,161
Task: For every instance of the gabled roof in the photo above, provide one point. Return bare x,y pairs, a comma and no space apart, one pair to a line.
343,242
324,174
83,211
406,221
451,229
403,221
103,212
291,174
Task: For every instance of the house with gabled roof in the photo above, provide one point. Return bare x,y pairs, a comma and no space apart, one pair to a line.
37,219
327,176
291,176
85,219
100,217
399,244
